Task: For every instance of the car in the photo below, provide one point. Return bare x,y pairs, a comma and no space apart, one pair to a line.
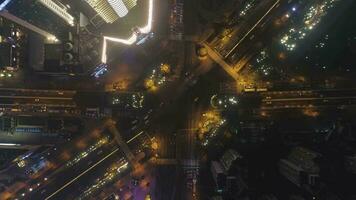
135,182
112,196
134,128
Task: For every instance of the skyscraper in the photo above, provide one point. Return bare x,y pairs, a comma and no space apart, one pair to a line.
111,10
59,9
103,8
300,167
119,7
130,3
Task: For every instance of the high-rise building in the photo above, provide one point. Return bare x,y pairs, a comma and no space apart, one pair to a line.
59,9
218,175
104,10
300,167
228,158
111,10
130,3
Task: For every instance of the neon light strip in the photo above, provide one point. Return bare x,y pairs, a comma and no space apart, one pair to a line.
133,38
4,4
148,27
9,144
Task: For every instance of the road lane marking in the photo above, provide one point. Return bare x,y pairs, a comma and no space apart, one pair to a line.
80,175
135,137
254,26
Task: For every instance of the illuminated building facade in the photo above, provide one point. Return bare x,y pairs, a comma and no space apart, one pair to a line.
111,10
130,3
122,7
103,8
119,7
59,9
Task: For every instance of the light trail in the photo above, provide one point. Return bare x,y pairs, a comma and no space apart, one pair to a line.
119,7
253,28
80,175
9,144
4,4
135,137
133,38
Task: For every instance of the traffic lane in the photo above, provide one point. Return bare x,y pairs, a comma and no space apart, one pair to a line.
36,93
37,110
236,19
131,126
87,160
337,93
244,52
282,94
166,174
124,186
252,45
17,91
167,129
154,117
262,35
180,109
249,47
245,27
78,186
241,26
302,103
36,101
18,173
66,179
309,94
59,156
140,142
167,98
63,174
